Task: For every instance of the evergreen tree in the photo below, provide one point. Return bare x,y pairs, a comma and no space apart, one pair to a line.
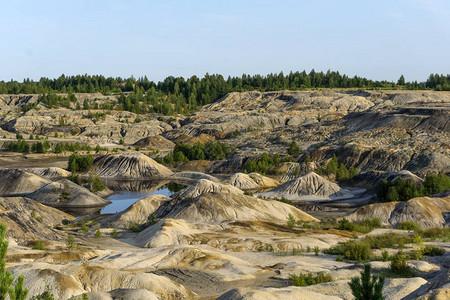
367,287
17,292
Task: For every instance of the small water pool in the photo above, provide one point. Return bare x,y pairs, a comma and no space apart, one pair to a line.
121,200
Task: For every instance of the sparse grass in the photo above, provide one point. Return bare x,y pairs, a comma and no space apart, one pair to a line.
309,279
408,225
433,251
388,240
399,266
38,245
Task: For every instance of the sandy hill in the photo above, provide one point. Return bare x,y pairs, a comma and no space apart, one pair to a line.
425,211
154,143
214,202
19,182
193,176
50,173
310,186
138,213
204,186
129,165
28,219
65,193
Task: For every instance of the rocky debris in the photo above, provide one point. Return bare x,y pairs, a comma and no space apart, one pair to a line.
154,143
138,213
286,293
77,278
19,182
130,294
66,194
28,219
50,173
129,165
193,176
311,187
425,211
204,186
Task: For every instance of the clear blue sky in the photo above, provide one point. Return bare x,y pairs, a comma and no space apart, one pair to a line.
376,39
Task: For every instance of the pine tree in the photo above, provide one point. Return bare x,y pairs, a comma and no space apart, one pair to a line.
18,292
367,287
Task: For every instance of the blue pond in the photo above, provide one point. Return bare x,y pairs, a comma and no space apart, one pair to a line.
122,199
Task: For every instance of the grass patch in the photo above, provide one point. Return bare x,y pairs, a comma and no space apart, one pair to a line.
309,279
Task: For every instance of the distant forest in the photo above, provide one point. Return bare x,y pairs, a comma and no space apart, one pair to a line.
176,94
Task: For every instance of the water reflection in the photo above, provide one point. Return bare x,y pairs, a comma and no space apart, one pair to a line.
128,192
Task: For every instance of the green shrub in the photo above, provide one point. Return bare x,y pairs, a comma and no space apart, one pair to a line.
70,241
353,250
367,287
316,250
309,279
435,233
94,183
433,251
293,149
388,240
291,221
408,225
38,245
399,266
98,233
345,224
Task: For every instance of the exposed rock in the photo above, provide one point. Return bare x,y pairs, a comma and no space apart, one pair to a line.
193,176
243,182
66,194
154,143
77,278
28,219
287,293
138,213
19,182
296,169
263,181
129,165
204,186
50,173
123,294
226,205
425,211
311,187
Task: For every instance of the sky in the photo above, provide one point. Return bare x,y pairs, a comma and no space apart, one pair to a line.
379,39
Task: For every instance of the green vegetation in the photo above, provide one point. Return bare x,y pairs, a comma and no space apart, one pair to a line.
70,241
291,221
293,149
98,233
38,245
368,287
365,226
265,165
402,190
340,170
94,183
408,225
80,163
399,266
18,291
183,95
309,279
209,151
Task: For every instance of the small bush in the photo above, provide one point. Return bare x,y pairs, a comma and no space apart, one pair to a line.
408,225
114,233
353,250
399,266
433,251
98,233
70,241
316,250
291,221
309,279
38,245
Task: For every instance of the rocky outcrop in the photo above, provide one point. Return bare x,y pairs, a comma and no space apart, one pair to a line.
193,176
77,278
310,186
50,173
129,165
216,204
243,182
138,213
252,181
154,143
425,211
19,182
66,194
204,186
